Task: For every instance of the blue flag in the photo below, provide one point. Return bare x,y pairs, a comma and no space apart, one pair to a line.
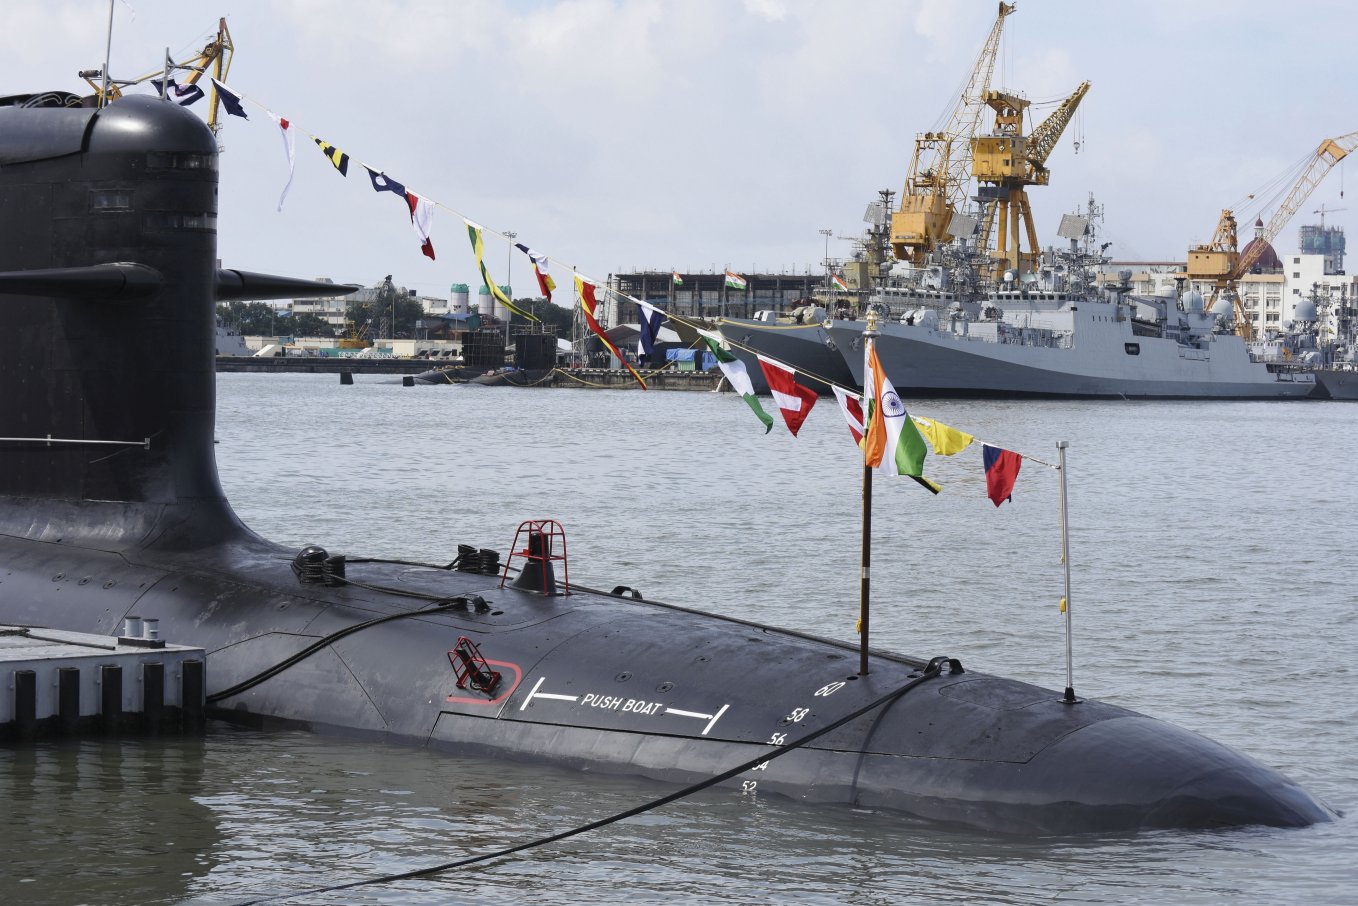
230,100
651,319
384,183
183,95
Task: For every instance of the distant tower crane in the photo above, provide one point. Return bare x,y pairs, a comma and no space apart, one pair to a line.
939,173
1007,161
1220,262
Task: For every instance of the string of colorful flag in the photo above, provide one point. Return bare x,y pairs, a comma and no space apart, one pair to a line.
419,207
890,438
894,442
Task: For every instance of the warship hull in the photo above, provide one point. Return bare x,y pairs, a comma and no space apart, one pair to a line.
1097,355
808,347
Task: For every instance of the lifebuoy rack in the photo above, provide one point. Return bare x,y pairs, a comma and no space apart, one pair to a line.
538,541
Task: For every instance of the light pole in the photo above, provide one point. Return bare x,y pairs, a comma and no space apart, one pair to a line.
826,234
510,236
390,290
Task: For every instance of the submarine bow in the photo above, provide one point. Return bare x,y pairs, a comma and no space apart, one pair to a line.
110,505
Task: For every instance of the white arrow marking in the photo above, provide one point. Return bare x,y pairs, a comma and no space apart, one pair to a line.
536,694
710,718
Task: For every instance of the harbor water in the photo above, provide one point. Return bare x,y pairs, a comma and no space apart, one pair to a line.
1212,586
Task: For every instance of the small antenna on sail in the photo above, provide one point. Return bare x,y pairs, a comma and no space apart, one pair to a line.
108,52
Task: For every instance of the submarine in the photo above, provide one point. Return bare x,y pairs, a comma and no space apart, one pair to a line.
111,506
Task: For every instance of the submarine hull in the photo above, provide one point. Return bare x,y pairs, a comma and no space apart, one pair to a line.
610,683
110,506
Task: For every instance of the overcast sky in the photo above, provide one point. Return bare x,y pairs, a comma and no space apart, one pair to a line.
615,135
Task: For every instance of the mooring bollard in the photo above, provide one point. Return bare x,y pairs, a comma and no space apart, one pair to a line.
68,699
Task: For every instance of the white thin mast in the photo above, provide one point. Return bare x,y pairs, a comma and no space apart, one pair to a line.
1069,698
108,52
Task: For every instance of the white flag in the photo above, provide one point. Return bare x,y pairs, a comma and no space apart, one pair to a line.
286,128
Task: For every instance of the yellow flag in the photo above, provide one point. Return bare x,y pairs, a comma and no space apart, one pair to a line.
945,441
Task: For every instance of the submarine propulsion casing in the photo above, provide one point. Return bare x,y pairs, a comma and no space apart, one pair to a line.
607,682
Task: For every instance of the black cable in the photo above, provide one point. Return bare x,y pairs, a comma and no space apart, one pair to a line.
933,670
442,604
323,642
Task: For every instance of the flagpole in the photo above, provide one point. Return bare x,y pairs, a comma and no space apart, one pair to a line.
510,236
869,333
1069,698
867,563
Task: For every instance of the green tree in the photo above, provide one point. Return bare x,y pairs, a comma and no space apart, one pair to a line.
549,313
249,318
306,324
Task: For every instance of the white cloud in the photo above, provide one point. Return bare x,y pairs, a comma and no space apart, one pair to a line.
770,10
616,133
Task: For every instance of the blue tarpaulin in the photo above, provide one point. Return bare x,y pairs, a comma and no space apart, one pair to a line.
707,361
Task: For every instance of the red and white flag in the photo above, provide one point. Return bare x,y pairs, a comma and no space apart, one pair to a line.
794,400
291,148
422,218
851,405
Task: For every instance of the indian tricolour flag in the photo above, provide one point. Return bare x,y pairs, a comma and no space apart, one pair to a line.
840,284
678,280
735,281
891,439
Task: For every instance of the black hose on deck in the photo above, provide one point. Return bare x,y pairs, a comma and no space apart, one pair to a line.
441,607
933,670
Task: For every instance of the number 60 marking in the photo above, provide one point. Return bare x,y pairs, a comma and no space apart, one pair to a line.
831,689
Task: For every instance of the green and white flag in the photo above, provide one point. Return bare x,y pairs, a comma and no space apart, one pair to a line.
735,372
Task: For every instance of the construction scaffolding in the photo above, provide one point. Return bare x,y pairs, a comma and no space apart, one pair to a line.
707,295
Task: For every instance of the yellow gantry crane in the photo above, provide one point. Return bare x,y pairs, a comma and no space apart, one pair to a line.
1219,260
216,54
940,170
1007,161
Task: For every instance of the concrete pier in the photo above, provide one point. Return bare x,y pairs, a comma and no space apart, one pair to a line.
57,683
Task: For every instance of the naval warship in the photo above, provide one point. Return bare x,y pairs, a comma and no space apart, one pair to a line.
1030,343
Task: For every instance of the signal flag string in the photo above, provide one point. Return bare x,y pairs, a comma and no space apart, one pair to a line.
339,159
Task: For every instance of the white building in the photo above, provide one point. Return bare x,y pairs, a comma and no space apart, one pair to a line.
331,308
1269,293
1307,279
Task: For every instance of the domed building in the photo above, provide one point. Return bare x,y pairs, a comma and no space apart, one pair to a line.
1268,261
1261,287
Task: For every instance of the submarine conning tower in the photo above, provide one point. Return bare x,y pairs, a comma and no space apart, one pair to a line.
108,285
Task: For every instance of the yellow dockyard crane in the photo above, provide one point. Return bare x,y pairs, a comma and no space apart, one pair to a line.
1220,262
940,170
1004,163
217,54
